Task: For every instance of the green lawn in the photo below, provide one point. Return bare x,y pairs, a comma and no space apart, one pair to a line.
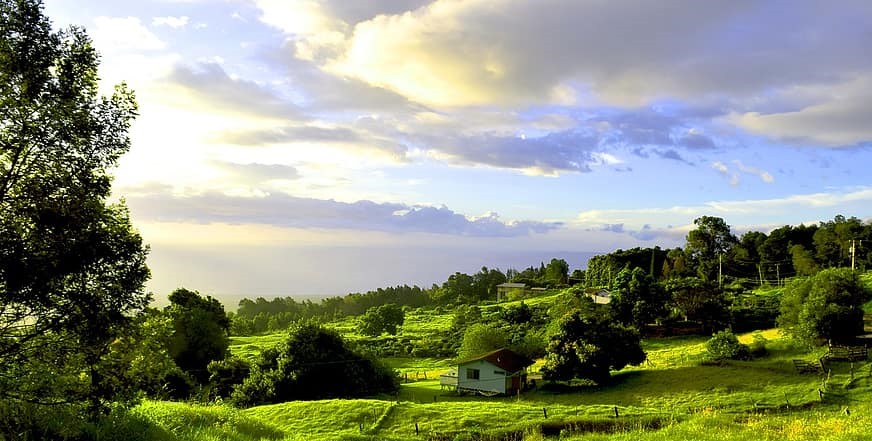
249,347
676,390
760,399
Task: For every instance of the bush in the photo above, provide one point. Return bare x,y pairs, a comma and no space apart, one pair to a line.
827,306
725,346
225,374
313,363
588,345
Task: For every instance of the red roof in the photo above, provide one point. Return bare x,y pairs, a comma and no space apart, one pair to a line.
503,358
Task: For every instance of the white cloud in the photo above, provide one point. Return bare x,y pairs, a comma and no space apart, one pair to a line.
837,115
725,171
791,209
763,174
124,34
173,22
452,53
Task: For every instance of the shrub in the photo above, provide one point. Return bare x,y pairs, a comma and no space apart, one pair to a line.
725,346
313,363
827,306
588,344
225,374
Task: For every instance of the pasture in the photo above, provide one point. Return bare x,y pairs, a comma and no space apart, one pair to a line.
675,395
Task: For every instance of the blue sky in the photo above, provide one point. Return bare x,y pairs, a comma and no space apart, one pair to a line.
327,146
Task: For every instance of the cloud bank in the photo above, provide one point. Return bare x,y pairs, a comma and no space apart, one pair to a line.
289,211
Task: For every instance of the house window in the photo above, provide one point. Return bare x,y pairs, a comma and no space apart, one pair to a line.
472,374
499,373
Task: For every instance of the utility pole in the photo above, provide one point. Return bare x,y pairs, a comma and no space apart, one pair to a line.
720,271
854,252
651,271
778,273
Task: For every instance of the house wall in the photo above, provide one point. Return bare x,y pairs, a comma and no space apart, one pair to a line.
488,379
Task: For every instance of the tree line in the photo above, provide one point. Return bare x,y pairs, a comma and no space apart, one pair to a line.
262,315
714,254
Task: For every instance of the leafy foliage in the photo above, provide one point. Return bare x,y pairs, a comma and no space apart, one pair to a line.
200,332
380,319
312,363
636,299
225,374
588,344
261,315
707,243
724,345
72,268
481,338
602,269
827,306
699,301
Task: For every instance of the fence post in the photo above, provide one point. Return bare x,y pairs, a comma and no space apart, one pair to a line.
545,413
616,411
416,427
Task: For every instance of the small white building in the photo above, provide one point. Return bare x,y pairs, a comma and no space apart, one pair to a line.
601,297
499,372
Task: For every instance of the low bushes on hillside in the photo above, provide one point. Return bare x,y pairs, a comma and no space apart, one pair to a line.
724,345
313,363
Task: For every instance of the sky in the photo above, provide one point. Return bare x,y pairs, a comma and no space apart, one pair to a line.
320,147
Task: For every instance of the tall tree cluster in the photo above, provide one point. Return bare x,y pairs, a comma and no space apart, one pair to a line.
714,254
72,268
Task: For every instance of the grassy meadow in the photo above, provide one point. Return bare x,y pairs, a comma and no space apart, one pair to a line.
675,394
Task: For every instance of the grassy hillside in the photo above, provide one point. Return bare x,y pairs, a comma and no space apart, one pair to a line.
676,394
746,400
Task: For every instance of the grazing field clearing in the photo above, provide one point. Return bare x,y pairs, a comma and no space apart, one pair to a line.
736,401
249,347
676,391
675,394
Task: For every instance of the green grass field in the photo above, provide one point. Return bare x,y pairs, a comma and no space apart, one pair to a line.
675,391
675,394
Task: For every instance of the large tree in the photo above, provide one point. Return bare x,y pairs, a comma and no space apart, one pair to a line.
589,344
200,332
481,338
72,269
380,319
708,243
637,299
313,363
826,306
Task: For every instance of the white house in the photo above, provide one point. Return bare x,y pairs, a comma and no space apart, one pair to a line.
499,372
601,297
